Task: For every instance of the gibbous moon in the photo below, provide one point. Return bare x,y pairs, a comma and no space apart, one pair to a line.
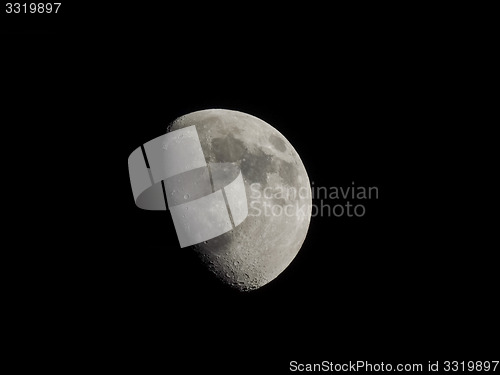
278,195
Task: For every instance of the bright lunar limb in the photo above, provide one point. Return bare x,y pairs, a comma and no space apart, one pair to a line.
278,196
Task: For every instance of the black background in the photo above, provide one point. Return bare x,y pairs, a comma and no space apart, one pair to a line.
367,98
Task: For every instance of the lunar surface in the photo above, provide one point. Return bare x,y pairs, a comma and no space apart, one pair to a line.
278,195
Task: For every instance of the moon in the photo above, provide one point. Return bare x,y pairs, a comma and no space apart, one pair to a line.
278,196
